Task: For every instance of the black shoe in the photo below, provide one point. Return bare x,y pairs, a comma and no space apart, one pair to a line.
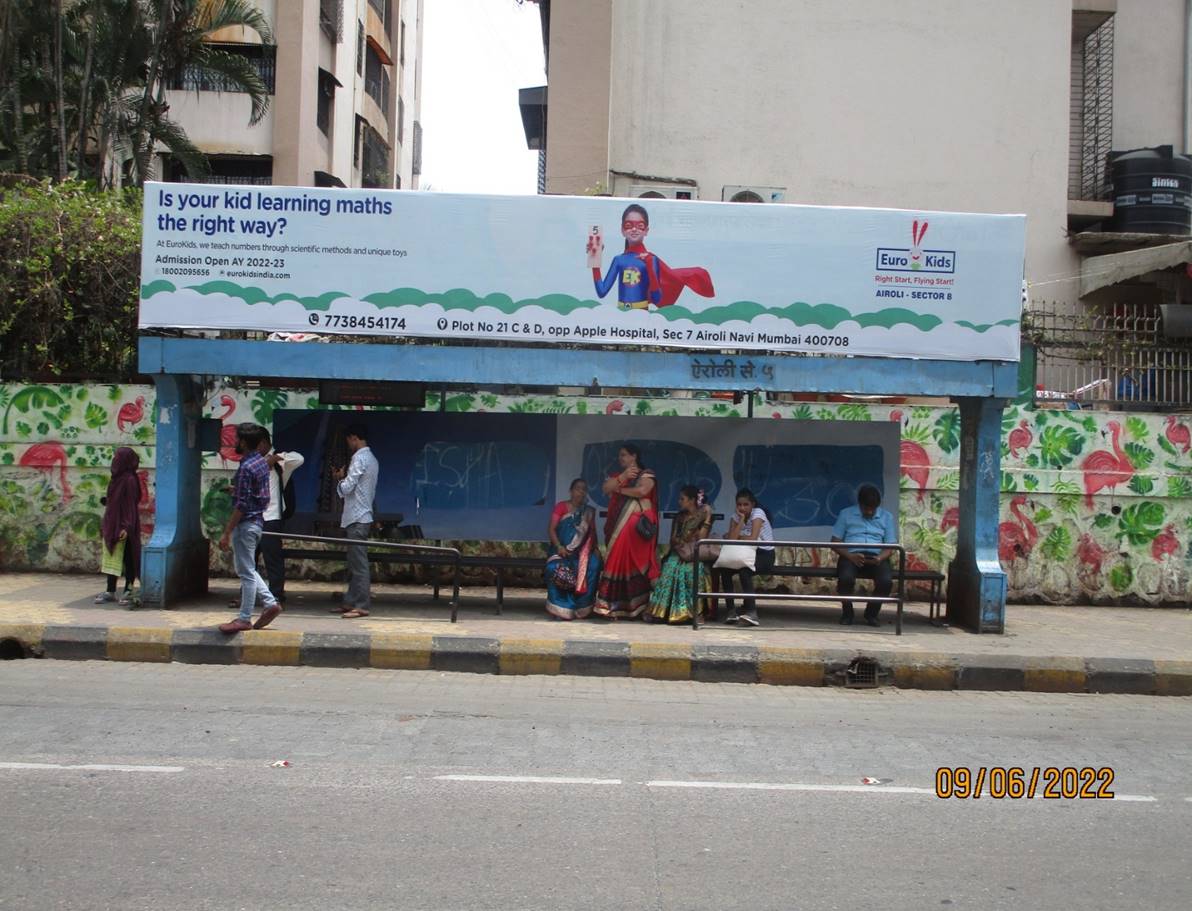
846,620
872,621
731,619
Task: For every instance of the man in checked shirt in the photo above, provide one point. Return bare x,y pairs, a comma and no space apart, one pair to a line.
250,497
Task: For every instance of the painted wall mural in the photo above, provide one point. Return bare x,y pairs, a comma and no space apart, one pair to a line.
1096,506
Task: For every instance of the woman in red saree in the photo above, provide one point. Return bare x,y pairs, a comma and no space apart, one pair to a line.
631,533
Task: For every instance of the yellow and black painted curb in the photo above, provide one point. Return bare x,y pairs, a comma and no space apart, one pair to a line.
654,660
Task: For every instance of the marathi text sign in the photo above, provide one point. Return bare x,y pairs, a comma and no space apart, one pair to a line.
805,279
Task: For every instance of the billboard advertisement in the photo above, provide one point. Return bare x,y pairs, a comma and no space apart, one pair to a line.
806,280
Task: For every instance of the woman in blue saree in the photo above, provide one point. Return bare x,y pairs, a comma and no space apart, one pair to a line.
574,566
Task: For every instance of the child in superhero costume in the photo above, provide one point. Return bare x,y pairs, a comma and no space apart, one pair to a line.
642,278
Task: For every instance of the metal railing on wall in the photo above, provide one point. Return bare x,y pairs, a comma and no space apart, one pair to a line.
1115,356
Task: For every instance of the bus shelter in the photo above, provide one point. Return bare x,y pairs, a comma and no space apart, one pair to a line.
492,292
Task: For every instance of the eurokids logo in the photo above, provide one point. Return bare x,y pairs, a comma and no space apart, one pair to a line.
914,258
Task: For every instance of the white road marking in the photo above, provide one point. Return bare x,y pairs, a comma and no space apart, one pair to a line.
527,779
90,767
767,786
1135,798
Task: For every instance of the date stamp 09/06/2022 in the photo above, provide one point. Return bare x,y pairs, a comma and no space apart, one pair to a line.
1018,783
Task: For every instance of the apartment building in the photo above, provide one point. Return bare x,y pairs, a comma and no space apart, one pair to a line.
975,105
345,80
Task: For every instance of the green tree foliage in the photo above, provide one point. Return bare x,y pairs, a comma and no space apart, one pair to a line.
69,271
83,82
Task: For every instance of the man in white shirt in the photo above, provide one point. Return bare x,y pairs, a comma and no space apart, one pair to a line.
281,466
358,487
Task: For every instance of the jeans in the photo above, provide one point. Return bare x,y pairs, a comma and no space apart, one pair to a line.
847,572
762,565
245,539
275,565
358,570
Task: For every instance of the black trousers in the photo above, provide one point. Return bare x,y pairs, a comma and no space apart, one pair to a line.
724,581
275,567
130,571
847,574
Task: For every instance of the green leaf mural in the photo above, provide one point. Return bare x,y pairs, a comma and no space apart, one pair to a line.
31,398
1030,482
464,402
643,407
1136,427
1166,446
1058,446
1009,484
918,433
1141,484
946,431
1058,544
265,402
1138,524
854,412
1068,503
802,413
1042,514
1140,457
1179,488
1104,520
1121,577
95,416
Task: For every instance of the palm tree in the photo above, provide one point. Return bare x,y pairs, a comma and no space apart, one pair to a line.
180,42
103,66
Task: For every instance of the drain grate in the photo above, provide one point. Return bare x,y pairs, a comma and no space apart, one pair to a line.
863,673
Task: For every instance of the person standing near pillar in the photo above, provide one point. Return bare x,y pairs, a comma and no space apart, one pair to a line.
282,466
250,497
865,524
358,487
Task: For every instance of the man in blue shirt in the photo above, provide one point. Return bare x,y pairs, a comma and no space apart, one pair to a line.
250,499
869,526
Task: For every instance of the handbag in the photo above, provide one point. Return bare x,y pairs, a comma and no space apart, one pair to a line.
113,560
564,577
646,527
736,556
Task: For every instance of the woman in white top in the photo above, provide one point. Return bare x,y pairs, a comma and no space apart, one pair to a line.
749,523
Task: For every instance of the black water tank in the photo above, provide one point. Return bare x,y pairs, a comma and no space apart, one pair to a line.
1152,191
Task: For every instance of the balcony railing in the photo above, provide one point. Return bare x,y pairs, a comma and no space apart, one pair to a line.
374,160
378,91
262,58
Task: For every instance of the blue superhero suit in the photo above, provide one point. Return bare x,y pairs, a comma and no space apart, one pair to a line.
636,288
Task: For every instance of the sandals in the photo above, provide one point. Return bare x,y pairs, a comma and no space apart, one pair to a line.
105,598
354,613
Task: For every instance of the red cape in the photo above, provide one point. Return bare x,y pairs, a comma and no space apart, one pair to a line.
671,282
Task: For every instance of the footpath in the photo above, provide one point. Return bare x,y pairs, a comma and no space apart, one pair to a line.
1045,649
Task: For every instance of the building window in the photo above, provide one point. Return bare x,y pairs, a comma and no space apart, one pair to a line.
397,181
326,101
261,57
401,43
384,9
359,48
376,79
226,169
1091,111
374,159
357,141
416,168
331,18
401,119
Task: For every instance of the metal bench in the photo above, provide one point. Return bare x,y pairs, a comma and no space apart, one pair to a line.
897,598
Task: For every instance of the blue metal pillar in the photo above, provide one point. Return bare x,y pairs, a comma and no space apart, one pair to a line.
174,562
976,582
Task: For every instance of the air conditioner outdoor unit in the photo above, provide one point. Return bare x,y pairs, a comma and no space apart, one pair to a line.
664,191
743,193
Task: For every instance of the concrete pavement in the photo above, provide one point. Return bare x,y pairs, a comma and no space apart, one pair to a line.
1046,649
137,786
